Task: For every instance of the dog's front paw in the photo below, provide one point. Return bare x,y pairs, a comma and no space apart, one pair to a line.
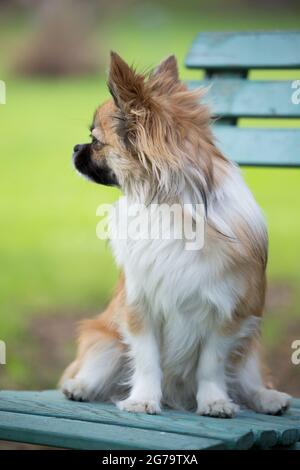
151,407
76,389
218,409
271,402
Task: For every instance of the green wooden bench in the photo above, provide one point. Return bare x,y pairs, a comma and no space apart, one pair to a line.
227,59
50,419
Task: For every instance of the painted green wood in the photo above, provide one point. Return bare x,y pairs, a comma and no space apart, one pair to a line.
259,147
240,432
296,403
54,404
295,411
245,50
48,418
270,430
295,447
265,436
288,431
74,434
248,98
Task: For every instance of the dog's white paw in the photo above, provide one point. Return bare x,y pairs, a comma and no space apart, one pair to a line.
271,401
218,409
76,389
151,407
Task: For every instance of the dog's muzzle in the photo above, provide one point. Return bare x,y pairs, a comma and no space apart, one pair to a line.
99,171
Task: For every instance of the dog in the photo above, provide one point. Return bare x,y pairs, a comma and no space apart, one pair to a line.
183,327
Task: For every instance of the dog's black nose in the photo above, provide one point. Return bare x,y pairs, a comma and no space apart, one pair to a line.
77,148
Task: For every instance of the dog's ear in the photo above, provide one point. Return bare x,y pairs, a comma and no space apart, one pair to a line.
167,67
164,80
125,85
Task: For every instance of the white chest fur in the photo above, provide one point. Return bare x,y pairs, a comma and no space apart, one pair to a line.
167,280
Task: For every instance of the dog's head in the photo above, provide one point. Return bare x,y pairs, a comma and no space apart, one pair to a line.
144,136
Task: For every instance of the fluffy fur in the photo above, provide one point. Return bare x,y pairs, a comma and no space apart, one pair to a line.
183,326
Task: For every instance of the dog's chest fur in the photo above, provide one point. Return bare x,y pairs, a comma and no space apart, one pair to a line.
168,281
186,294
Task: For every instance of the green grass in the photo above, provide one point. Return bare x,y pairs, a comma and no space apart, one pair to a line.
50,257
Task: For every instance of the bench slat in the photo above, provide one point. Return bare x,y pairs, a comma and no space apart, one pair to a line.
74,434
54,404
288,429
236,433
249,98
296,403
259,147
245,50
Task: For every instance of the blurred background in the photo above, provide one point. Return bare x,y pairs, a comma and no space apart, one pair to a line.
54,271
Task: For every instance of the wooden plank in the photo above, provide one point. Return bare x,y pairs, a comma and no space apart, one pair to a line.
245,50
238,432
259,147
294,413
265,436
53,404
296,446
288,430
248,98
293,416
74,434
295,403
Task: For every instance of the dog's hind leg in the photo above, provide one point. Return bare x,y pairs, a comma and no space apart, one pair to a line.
252,391
95,371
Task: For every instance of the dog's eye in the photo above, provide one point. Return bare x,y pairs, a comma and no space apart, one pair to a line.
97,142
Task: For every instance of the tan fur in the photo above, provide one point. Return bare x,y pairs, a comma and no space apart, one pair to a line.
157,132
165,127
99,330
134,321
170,132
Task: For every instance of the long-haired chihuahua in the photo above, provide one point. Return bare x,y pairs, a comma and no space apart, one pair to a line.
183,327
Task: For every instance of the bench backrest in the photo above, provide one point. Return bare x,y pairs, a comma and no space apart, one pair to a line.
226,59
